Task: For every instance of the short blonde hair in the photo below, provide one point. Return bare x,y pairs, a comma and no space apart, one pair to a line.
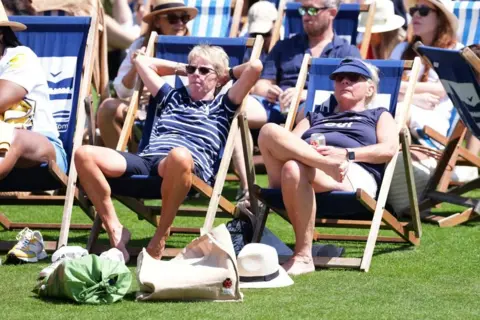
375,81
213,54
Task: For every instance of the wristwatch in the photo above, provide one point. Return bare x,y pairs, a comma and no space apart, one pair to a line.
350,154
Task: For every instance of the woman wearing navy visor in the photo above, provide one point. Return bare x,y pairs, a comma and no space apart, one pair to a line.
359,141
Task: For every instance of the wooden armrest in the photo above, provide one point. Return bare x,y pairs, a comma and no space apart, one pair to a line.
432,133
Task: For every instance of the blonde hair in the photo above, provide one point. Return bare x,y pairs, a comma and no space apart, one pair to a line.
214,54
375,81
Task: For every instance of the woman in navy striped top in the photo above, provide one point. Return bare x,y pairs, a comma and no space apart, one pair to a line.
189,132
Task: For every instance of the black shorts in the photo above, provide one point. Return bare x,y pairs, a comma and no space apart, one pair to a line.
137,165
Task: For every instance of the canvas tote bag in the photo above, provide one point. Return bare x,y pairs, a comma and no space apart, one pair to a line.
205,270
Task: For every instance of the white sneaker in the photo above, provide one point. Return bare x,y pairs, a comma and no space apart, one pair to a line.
61,255
29,248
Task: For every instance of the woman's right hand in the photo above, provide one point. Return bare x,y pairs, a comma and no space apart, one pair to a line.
142,51
426,100
273,92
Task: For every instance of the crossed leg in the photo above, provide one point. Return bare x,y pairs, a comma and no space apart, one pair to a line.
299,171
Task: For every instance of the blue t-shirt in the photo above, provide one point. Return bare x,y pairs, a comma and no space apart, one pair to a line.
200,126
348,129
283,63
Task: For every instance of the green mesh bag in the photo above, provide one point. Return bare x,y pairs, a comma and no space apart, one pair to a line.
89,279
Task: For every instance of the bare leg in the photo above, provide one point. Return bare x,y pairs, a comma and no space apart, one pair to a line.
282,145
299,184
94,165
176,170
110,117
28,149
257,117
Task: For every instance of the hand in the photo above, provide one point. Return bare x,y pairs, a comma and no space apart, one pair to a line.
329,151
145,97
285,99
336,168
139,52
426,100
273,92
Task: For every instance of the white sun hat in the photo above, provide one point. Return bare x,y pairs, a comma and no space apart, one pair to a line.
258,267
384,19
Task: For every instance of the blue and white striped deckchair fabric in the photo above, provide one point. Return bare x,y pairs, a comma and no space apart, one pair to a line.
174,49
60,44
468,14
213,19
345,23
458,79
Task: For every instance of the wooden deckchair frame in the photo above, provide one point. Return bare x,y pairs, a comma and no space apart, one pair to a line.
370,8
436,190
152,213
382,218
69,182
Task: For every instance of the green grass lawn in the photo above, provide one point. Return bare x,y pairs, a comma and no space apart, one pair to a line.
439,279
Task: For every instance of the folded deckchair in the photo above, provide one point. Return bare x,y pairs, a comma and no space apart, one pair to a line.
132,191
456,72
215,18
354,209
345,23
65,48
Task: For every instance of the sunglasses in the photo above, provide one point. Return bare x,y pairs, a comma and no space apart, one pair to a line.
311,11
423,11
174,19
202,70
352,77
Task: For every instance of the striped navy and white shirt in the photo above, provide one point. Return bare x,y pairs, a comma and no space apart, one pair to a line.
200,126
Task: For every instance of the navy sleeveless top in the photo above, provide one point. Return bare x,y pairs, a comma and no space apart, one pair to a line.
348,129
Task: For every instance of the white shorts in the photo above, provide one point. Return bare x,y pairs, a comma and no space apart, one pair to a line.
361,178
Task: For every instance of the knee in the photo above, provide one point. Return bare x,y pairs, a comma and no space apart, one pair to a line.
83,155
181,158
109,110
267,134
291,172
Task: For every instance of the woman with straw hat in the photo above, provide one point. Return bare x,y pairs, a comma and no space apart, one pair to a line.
387,30
166,17
28,129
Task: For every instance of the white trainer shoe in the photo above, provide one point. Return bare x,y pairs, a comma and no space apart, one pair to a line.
29,248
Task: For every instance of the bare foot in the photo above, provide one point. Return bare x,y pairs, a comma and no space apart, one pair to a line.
335,168
119,239
299,265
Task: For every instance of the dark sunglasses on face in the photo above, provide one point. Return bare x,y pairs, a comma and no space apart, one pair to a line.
174,19
352,77
202,70
311,11
423,11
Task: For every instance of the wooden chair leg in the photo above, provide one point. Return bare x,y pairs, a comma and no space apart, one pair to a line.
94,233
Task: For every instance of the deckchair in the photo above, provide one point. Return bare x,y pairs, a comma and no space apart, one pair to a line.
345,23
65,48
455,69
468,14
131,191
215,18
354,209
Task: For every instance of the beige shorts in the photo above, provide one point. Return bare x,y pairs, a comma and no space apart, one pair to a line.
361,178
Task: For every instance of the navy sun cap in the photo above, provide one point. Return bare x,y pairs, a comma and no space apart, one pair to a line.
352,65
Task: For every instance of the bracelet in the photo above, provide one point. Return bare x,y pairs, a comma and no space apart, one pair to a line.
232,76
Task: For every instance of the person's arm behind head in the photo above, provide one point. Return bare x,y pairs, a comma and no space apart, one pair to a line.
151,71
247,75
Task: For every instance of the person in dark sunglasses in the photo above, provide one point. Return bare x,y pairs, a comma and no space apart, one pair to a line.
190,130
272,95
167,17
435,25
359,141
